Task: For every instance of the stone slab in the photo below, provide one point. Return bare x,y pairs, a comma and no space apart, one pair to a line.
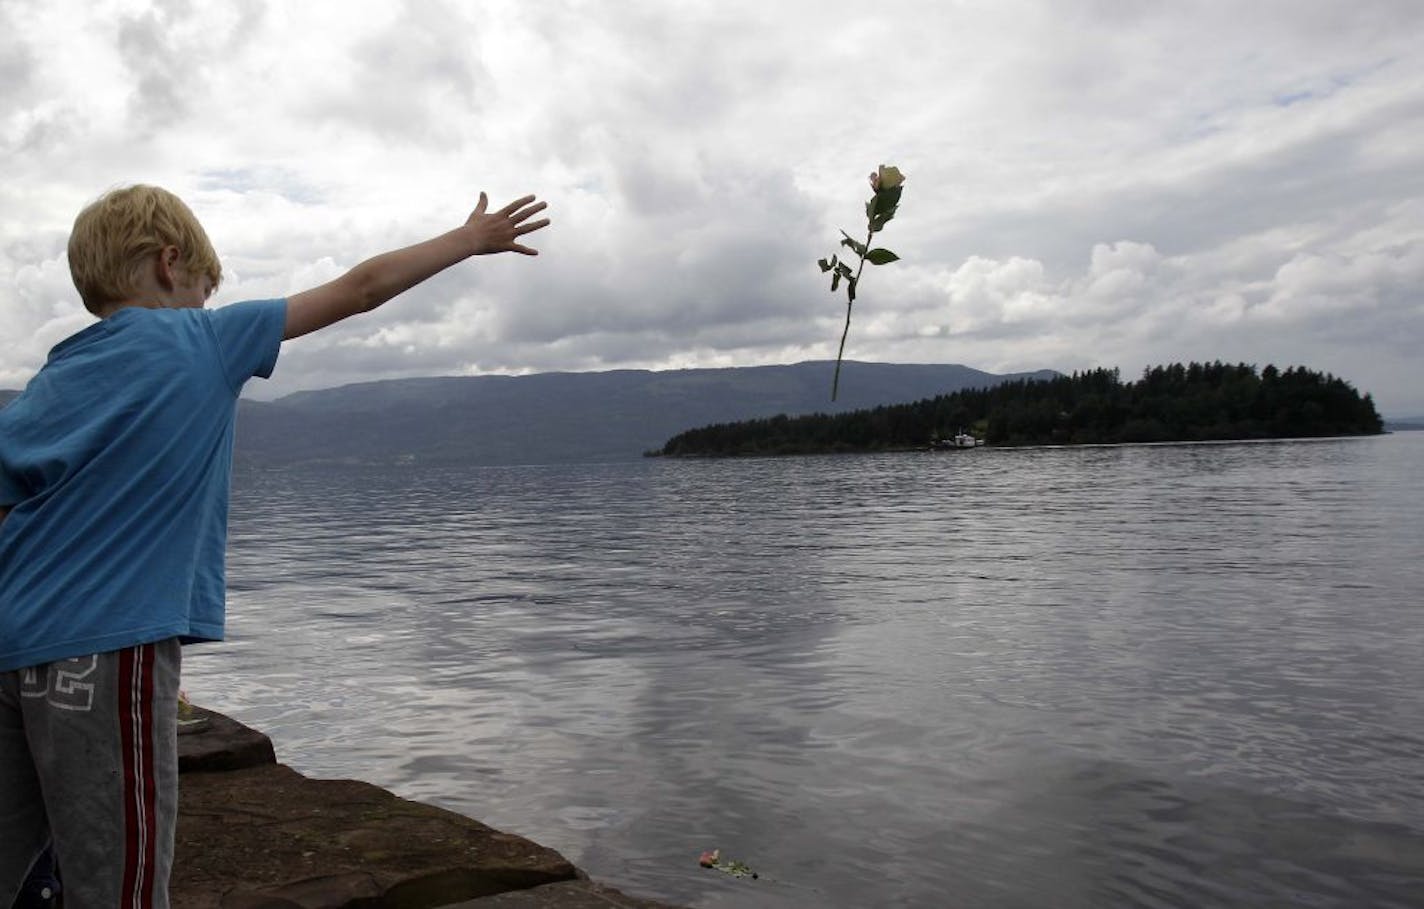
266,837
222,744
254,834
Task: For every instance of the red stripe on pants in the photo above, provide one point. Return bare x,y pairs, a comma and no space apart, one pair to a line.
140,788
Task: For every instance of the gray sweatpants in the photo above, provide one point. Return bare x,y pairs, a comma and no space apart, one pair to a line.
89,762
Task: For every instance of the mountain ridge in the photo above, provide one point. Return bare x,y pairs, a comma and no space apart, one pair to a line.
562,417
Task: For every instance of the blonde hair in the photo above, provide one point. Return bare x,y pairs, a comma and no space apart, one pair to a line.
115,236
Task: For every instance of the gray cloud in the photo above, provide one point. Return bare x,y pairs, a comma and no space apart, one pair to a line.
1091,184
411,80
17,59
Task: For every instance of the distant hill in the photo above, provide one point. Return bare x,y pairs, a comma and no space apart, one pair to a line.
1403,424
565,417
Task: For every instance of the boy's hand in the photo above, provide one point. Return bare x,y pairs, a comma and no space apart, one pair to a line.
496,232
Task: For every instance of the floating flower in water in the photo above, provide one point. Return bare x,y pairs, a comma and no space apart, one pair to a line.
713,859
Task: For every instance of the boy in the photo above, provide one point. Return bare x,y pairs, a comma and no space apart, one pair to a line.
114,468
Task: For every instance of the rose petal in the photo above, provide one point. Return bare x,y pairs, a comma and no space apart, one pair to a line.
888,177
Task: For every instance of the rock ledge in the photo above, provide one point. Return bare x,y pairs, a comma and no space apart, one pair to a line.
255,834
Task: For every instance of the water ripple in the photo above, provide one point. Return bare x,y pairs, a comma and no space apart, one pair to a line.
1151,676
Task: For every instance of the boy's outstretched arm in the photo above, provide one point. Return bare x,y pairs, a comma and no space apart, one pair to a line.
376,280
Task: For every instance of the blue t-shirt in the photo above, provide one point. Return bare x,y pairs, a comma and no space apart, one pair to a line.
115,461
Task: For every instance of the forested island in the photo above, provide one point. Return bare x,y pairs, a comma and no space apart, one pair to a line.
1193,402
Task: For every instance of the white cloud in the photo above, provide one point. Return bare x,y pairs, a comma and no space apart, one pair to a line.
1089,184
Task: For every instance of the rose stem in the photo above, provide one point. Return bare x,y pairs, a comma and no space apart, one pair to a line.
850,300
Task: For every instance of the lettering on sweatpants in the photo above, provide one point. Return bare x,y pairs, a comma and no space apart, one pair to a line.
63,683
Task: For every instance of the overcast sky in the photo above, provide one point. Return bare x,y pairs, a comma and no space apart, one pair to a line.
1090,184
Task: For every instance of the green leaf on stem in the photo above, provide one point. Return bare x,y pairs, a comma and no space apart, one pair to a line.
881,257
845,269
835,281
853,244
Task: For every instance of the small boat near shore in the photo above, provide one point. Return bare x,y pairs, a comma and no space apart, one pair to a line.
957,441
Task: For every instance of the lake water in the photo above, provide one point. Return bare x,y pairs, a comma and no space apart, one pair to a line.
1177,675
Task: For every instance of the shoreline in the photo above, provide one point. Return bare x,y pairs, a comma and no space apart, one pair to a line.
255,834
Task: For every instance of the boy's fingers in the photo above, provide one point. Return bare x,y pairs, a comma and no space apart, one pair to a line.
514,206
481,205
523,229
529,212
